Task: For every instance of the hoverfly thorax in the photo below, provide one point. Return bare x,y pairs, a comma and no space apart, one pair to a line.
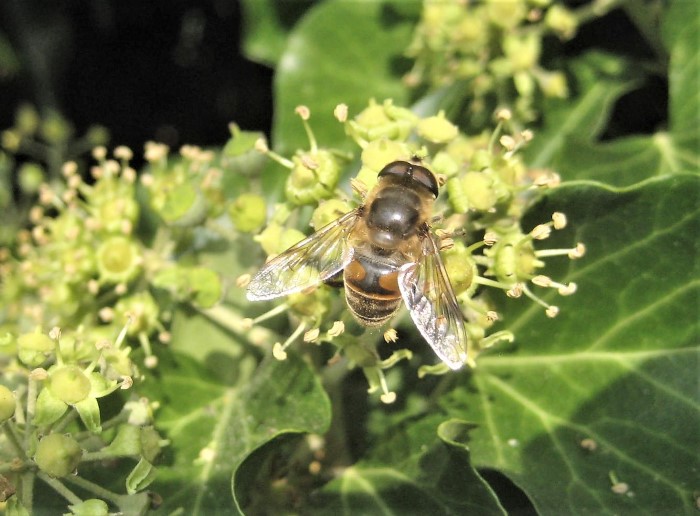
400,203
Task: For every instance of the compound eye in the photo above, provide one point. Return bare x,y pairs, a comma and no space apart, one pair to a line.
426,178
396,169
405,170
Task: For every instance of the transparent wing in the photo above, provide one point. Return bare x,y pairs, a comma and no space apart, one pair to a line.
305,264
428,294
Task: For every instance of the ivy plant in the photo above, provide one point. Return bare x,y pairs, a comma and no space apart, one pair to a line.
127,338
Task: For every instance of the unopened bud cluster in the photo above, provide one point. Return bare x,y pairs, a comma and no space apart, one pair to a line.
493,46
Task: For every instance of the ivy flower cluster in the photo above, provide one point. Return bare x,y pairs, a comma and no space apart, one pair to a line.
82,264
52,423
488,189
33,152
494,47
104,263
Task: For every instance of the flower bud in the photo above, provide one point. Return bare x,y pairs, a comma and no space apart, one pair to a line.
31,176
379,152
311,305
562,21
480,191
367,177
34,348
58,455
184,206
143,311
10,140
241,152
382,121
55,129
313,178
480,160
506,14
248,212
553,84
118,260
69,384
91,507
7,404
27,119
460,268
97,135
327,212
288,238
523,52
437,129
457,195
444,163
269,239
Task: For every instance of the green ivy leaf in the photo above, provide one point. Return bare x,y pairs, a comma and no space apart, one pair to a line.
418,468
214,426
266,26
600,79
680,33
611,385
327,62
568,142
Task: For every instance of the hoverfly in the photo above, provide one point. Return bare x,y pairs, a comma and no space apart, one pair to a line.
385,253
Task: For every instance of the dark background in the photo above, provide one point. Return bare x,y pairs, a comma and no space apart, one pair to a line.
165,70
172,70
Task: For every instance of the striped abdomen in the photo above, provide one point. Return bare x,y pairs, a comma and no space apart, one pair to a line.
372,289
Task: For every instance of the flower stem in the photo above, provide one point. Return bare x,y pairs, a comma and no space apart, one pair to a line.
32,392
27,490
228,319
60,488
95,489
13,438
66,418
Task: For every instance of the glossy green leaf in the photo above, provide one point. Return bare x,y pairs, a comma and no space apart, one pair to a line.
599,80
680,33
608,389
568,142
266,27
418,468
340,52
213,426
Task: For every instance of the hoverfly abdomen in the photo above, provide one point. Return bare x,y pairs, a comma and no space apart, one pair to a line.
372,289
